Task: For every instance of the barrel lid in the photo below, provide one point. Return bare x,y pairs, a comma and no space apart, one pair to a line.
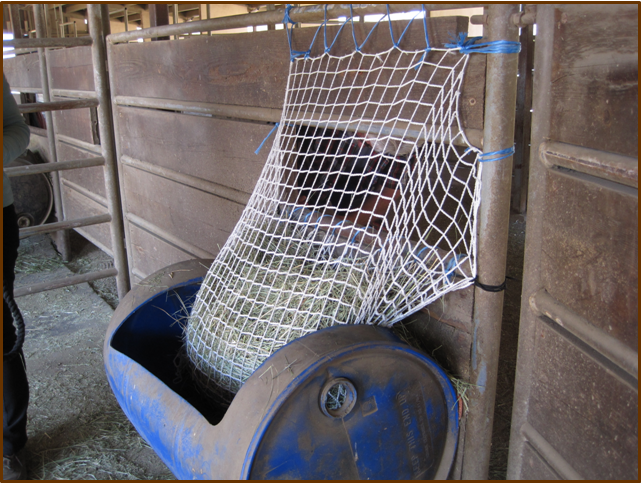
377,409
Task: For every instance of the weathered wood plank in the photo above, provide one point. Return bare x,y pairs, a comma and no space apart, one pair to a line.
534,468
590,416
252,69
71,69
449,345
76,123
216,150
89,178
595,78
454,309
79,206
197,217
22,71
589,254
151,253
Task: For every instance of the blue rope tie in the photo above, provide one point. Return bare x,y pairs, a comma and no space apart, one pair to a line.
287,19
266,138
294,54
391,32
468,46
502,154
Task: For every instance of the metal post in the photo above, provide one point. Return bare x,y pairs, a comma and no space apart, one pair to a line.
208,17
493,225
110,70
62,240
47,20
101,81
14,13
126,19
313,13
176,37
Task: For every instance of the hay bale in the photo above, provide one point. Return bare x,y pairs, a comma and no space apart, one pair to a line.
282,292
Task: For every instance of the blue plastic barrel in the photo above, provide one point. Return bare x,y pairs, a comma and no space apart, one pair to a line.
348,402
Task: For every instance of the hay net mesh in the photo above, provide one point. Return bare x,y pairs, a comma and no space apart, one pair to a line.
365,211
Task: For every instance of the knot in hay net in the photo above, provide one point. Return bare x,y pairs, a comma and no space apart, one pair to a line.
365,211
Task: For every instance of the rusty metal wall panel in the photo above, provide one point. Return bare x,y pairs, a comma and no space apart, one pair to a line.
576,397
83,190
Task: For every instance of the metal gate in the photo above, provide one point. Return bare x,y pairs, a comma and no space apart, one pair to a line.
108,208
576,399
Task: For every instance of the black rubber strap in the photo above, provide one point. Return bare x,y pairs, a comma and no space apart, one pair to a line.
490,288
18,322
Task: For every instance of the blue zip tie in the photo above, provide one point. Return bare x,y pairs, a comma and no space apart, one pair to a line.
502,154
266,138
468,46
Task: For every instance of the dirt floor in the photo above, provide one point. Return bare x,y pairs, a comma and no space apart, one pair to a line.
75,426
77,429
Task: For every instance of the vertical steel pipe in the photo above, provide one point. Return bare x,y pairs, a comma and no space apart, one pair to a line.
111,69
208,17
63,242
493,226
14,14
97,13
176,37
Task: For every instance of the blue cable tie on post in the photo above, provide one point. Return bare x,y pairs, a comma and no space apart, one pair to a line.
468,46
502,154
266,138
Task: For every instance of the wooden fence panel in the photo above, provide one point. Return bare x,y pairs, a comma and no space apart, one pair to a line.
219,151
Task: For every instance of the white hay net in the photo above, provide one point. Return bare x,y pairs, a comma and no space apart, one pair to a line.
364,213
